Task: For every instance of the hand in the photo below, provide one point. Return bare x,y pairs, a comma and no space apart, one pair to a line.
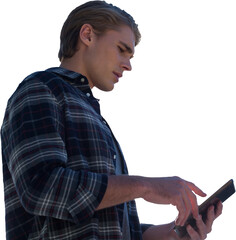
204,228
159,232
166,232
175,191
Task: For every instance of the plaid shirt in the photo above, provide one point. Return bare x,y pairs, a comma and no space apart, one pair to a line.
57,153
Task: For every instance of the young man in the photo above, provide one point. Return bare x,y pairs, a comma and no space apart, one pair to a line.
64,173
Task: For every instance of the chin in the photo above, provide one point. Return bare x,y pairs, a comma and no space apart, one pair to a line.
106,88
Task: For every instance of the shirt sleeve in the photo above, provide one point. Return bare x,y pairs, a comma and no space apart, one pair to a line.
37,158
145,227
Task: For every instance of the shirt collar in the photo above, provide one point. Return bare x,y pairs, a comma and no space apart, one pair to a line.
79,81
72,77
76,79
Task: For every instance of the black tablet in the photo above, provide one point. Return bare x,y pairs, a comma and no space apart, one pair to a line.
220,195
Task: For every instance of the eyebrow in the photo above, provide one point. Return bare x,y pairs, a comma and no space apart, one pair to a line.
128,48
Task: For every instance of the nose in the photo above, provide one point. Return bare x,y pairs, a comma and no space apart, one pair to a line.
126,65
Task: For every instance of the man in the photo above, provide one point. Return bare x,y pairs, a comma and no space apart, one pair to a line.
64,173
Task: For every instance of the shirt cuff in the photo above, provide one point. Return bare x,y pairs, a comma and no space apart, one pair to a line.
88,196
144,227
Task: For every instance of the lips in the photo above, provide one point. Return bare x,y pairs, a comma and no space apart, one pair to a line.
119,75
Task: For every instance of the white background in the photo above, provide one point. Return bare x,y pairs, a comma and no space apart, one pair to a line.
174,114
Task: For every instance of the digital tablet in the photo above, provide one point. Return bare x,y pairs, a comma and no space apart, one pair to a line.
220,195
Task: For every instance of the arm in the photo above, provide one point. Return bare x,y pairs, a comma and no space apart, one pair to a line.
173,190
160,232
37,160
34,150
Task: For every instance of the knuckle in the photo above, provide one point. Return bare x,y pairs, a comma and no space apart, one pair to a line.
178,179
194,197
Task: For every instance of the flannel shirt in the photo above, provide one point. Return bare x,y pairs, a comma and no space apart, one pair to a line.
57,153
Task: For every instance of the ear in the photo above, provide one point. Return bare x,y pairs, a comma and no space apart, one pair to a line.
86,34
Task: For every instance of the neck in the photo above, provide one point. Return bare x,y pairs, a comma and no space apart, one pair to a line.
72,65
69,64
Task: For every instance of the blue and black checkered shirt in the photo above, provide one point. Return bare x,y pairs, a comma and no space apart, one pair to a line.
57,153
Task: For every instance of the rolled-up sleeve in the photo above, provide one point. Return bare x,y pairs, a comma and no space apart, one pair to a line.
36,156
145,227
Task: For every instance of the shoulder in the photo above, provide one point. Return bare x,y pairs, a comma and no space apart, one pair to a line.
44,78
38,84
42,81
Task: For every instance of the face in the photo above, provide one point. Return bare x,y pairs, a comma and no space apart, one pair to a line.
108,56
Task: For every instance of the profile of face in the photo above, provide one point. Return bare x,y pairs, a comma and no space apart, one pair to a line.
107,56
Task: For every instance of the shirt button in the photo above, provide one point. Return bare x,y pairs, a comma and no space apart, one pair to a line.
114,157
88,94
82,80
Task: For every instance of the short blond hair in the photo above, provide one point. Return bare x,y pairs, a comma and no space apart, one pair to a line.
101,16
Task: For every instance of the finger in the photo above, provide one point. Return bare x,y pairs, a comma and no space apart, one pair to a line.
194,188
193,202
188,197
190,201
210,218
202,228
219,209
192,233
181,208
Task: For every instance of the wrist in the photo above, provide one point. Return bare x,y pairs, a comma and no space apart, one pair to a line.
142,186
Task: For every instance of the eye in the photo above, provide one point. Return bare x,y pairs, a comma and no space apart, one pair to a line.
121,49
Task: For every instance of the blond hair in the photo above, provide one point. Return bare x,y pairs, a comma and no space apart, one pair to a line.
101,16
